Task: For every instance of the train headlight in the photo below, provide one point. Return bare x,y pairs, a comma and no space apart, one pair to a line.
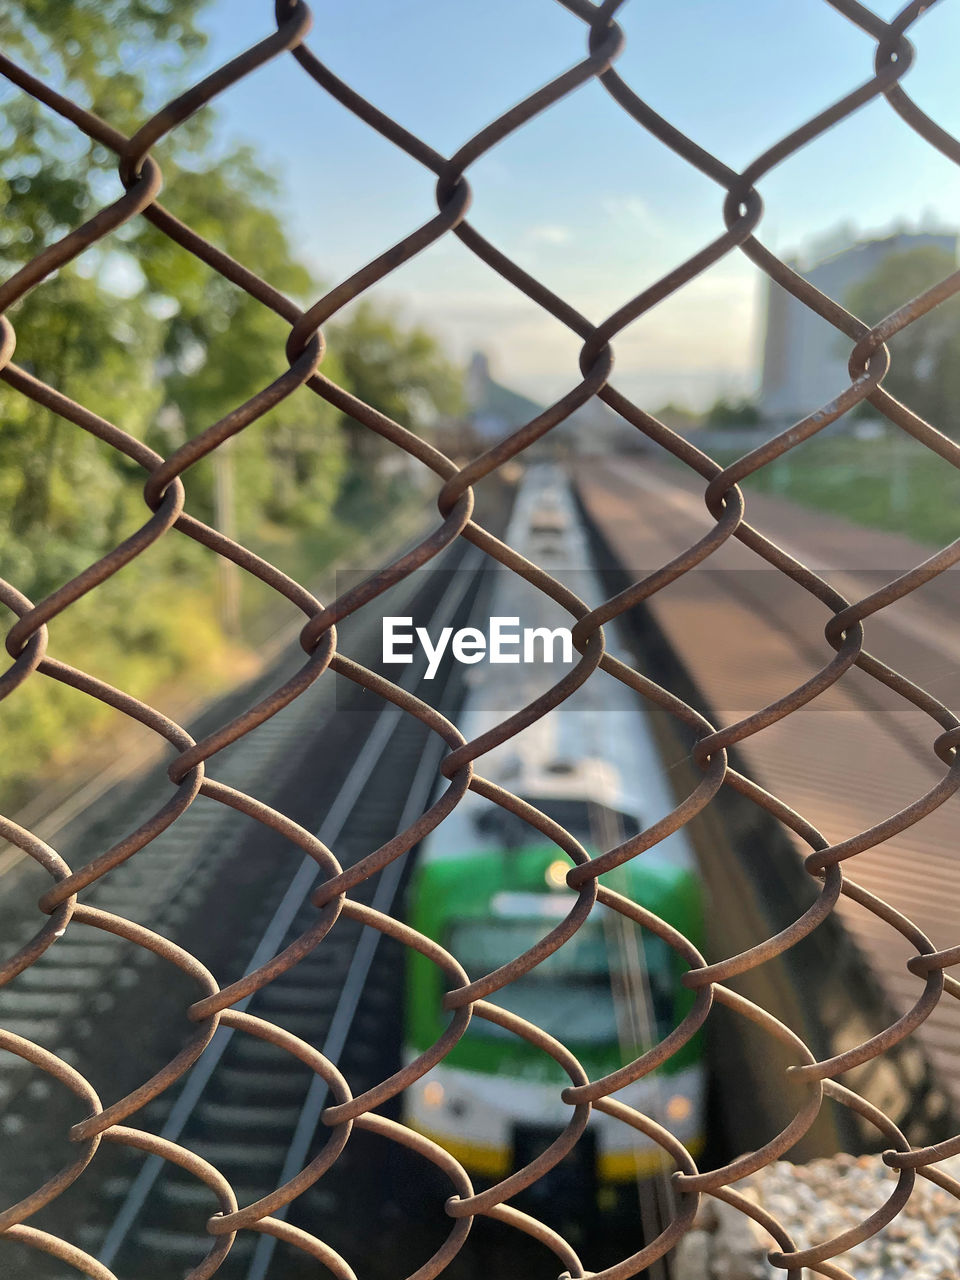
678,1108
433,1093
556,876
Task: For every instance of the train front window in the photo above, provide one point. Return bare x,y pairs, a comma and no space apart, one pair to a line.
589,822
600,987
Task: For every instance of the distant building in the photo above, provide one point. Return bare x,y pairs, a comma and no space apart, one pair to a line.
804,357
495,411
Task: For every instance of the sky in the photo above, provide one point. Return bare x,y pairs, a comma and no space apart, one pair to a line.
582,196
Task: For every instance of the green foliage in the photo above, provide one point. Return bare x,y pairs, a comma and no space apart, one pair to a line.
925,356
888,482
678,417
92,47
725,414
403,373
149,337
51,175
219,347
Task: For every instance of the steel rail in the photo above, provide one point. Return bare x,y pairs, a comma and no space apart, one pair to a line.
297,893
348,1002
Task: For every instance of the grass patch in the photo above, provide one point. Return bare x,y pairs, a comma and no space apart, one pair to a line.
890,483
155,630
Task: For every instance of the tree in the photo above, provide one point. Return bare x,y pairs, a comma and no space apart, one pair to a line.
925,356
145,334
144,331
289,463
732,415
401,372
678,417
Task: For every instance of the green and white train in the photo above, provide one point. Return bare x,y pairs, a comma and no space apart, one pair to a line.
487,886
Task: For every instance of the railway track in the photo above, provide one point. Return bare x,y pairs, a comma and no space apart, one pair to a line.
268,1104
247,1107
236,894
202,883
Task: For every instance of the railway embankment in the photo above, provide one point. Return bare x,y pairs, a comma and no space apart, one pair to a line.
729,639
818,1201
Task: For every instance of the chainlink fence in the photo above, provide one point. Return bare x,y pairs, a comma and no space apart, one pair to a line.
115,1121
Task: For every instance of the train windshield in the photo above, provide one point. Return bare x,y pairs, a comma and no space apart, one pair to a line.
603,986
589,822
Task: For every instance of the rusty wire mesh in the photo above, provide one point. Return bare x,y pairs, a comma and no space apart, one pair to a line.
164,497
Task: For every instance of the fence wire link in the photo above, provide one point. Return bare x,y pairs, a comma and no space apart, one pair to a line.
166,515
